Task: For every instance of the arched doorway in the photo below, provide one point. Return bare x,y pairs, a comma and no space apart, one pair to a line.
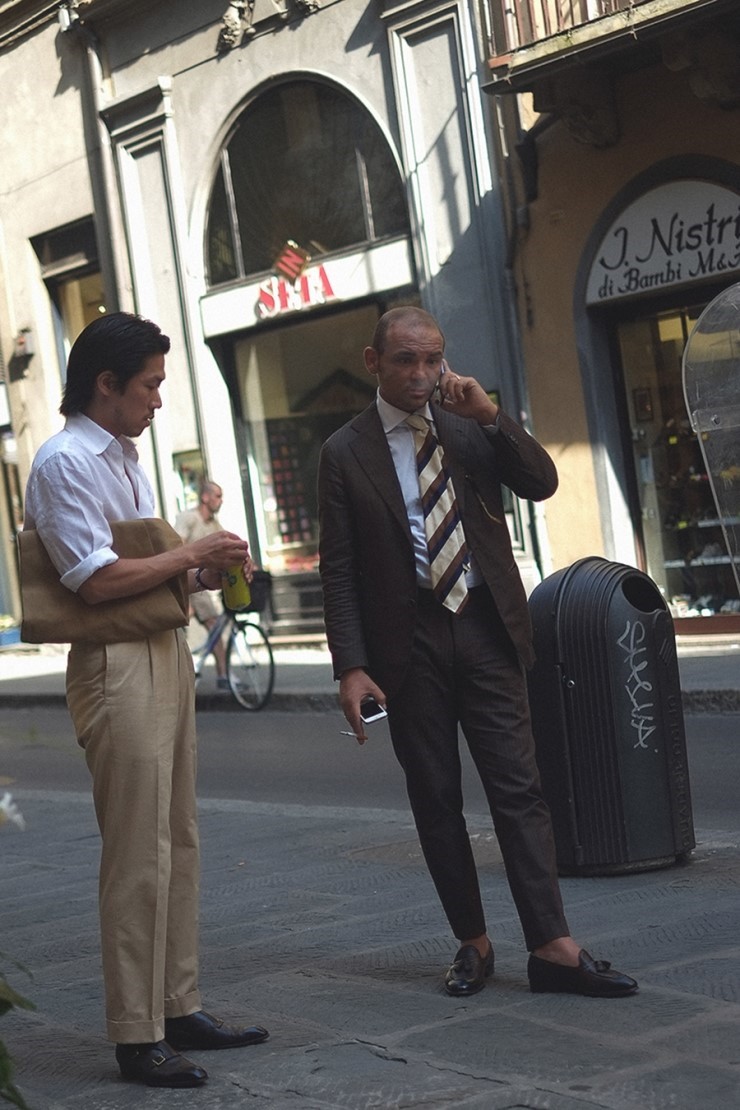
305,163
307,241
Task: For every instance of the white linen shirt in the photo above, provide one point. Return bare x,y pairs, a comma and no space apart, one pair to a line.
82,479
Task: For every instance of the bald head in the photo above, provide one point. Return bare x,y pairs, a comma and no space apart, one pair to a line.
209,488
408,316
211,496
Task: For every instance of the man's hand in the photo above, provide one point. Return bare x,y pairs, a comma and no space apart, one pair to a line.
210,558
218,551
466,397
354,685
128,577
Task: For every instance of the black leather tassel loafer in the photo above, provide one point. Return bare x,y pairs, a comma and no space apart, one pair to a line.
594,978
469,972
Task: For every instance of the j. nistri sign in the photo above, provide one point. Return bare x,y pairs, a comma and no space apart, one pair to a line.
676,234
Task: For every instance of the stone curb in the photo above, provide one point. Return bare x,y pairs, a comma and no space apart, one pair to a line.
711,701
694,701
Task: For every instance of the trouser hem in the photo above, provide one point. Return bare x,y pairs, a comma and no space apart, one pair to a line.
182,1007
146,1032
546,932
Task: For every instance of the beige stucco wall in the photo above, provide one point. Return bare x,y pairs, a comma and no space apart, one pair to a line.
44,184
130,132
659,118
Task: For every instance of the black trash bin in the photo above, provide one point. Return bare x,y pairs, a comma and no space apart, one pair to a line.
608,720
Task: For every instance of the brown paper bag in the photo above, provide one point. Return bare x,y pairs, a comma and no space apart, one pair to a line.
53,614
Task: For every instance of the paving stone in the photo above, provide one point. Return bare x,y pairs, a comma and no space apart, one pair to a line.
327,930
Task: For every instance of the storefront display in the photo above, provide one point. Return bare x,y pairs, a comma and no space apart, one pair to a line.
685,549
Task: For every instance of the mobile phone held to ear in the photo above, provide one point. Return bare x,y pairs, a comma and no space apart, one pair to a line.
437,395
371,710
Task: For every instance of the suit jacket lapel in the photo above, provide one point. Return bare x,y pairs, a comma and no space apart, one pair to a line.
373,455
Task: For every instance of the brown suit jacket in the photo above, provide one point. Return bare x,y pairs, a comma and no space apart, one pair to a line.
366,561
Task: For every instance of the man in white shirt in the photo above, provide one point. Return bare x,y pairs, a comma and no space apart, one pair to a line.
132,704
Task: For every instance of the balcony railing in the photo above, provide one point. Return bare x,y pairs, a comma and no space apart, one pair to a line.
518,23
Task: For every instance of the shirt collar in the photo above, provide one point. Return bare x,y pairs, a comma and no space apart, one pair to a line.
391,417
95,438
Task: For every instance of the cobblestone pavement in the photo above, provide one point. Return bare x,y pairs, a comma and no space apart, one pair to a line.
321,923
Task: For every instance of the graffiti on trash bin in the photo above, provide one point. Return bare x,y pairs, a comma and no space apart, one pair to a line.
632,643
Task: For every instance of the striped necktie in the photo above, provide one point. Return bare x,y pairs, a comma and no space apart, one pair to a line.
448,551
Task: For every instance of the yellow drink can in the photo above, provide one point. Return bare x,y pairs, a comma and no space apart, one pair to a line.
236,591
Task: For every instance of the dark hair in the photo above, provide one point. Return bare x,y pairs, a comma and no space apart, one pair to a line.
412,313
119,342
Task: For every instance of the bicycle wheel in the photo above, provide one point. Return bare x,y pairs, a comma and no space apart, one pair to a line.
250,667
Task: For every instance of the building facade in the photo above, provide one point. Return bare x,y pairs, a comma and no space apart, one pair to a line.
262,179
623,153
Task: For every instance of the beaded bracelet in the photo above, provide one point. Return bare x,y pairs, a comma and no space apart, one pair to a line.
200,584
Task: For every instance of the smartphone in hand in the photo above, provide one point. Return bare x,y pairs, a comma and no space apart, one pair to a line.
437,394
371,710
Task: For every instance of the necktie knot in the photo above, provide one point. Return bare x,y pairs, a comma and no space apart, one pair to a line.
418,423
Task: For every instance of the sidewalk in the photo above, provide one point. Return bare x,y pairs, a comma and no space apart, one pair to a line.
709,672
320,922
30,675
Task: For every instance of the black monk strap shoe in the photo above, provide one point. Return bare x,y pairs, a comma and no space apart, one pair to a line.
158,1065
592,977
201,1031
469,972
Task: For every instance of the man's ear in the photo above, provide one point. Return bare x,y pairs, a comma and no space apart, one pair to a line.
371,357
106,383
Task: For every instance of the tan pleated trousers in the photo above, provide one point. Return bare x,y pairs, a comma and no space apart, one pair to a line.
133,709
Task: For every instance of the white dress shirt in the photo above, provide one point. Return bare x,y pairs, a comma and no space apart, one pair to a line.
400,439
81,479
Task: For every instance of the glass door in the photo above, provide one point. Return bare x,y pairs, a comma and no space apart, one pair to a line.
685,552
297,384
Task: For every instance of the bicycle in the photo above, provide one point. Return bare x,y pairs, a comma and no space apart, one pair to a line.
250,667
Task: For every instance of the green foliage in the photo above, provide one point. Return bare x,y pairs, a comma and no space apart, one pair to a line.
10,1000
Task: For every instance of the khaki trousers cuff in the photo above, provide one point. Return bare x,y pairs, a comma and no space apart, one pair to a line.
149,1032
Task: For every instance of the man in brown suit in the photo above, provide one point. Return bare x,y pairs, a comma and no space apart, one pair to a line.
391,638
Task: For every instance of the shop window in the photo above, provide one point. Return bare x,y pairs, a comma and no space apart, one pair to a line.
190,472
69,267
298,385
685,551
70,247
305,163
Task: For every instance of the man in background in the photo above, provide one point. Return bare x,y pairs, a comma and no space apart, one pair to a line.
194,524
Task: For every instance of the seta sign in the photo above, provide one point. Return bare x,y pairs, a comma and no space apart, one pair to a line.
676,234
276,295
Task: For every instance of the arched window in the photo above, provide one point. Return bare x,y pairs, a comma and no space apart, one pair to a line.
305,163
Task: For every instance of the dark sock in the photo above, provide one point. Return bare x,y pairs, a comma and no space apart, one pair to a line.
134,1049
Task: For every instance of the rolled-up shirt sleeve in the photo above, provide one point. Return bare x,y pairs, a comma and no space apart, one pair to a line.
70,519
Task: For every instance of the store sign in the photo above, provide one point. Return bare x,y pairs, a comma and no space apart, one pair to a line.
676,234
276,295
370,272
